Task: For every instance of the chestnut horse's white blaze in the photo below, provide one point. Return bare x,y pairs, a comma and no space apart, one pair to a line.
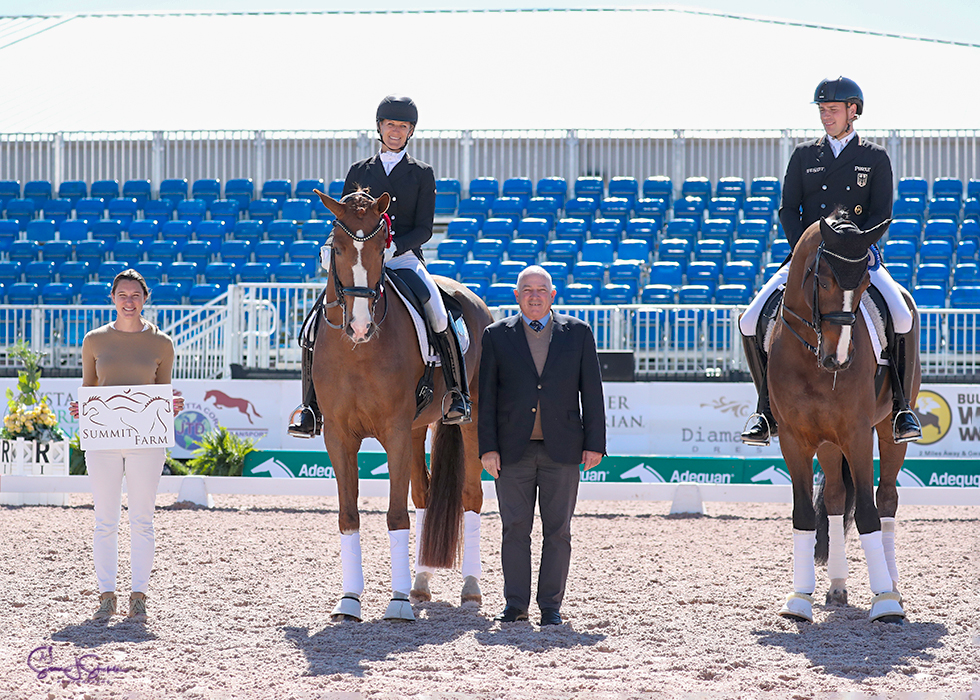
361,313
844,344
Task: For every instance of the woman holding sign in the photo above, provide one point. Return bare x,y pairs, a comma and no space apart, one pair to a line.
130,351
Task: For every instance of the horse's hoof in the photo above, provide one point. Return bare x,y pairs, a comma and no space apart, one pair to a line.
887,607
420,589
837,596
399,608
471,591
348,608
798,606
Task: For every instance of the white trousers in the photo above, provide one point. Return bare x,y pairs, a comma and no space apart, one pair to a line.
143,469
889,288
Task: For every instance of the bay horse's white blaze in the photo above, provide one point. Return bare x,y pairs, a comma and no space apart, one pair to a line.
845,331
361,313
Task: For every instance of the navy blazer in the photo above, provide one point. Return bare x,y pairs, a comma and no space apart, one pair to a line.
412,187
569,390
859,180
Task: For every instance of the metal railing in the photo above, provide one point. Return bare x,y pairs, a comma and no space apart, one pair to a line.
296,155
256,326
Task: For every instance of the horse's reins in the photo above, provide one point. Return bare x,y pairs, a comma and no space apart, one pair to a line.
372,293
837,318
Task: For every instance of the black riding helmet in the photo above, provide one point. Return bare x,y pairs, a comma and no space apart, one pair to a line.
398,108
840,90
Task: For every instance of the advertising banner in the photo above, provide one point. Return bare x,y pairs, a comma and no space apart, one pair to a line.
125,417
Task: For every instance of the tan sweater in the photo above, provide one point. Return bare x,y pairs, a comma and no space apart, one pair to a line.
538,342
116,358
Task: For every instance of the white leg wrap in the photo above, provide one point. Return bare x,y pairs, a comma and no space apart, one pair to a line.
836,557
750,318
888,544
892,293
472,566
804,570
419,522
401,572
350,561
878,576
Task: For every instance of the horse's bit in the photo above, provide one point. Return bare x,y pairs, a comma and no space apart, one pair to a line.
365,292
837,318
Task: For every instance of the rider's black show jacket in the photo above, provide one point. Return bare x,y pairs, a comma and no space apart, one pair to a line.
816,183
412,188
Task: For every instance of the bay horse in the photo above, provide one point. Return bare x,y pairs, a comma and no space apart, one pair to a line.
827,405
366,367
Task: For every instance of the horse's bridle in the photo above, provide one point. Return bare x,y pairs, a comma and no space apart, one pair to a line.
837,318
372,293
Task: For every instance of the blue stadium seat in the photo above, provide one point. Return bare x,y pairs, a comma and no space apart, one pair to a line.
123,209
750,249
705,272
583,208
964,274
211,231
945,208
173,190
667,272
38,190
106,189
489,249
316,230
559,272
463,229
643,228
72,190
200,294
626,272
501,229
650,208
935,273
277,190
733,187
942,187
723,208
282,230
297,210
659,187
39,271
929,296
779,250
571,229
695,294
10,271
524,250
901,272
162,251
445,268
971,209
761,208
76,272
913,187
57,251
486,187
186,272
758,229
624,187
580,294
57,293
57,210
909,208
254,272
589,186
108,230
477,287
696,187
739,272
168,293
196,251
335,189
973,188
21,211
736,294
561,250
965,297
634,249
272,252
967,249
690,208
607,230
905,229
507,207
40,230
657,294
226,211
145,230
480,271
193,210
474,208
617,294
448,194
240,190
24,251
940,230
152,271
95,293
589,271
675,250
555,187
454,249
938,250
719,229
685,326
159,209
535,229
304,189
108,269
9,232
137,189
518,187
263,210
221,274
544,208
766,187
23,293
769,270
207,190
177,231
9,189
619,208
599,250
306,252
250,231
91,208
686,229
127,250
711,249
236,252
500,294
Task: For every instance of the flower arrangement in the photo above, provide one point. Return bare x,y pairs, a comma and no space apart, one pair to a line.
28,414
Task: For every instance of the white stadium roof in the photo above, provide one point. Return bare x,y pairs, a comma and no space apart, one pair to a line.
649,68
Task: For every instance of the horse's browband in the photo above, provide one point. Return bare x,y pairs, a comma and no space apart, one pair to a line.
841,257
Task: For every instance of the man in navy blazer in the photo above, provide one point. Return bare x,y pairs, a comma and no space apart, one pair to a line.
541,416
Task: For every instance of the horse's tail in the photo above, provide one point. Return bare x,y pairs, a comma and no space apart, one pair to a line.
820,552
444,506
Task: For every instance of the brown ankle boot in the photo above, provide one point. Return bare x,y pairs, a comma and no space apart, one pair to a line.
107,606
137,606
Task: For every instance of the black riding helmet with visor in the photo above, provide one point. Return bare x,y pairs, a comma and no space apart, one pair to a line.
397,108
840,90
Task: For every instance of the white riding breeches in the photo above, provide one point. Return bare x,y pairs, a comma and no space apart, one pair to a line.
435,310
889,288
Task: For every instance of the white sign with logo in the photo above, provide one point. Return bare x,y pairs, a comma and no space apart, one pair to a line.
125,417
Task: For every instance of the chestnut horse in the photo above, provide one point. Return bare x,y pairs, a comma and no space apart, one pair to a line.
366,367
827,405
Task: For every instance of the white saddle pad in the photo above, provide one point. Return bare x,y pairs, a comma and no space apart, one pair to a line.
429,353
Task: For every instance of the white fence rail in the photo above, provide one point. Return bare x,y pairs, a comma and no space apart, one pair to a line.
463,155
256,326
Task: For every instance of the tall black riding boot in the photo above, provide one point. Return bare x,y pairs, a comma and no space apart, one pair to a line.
905,425
306,421
761,425
454,370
